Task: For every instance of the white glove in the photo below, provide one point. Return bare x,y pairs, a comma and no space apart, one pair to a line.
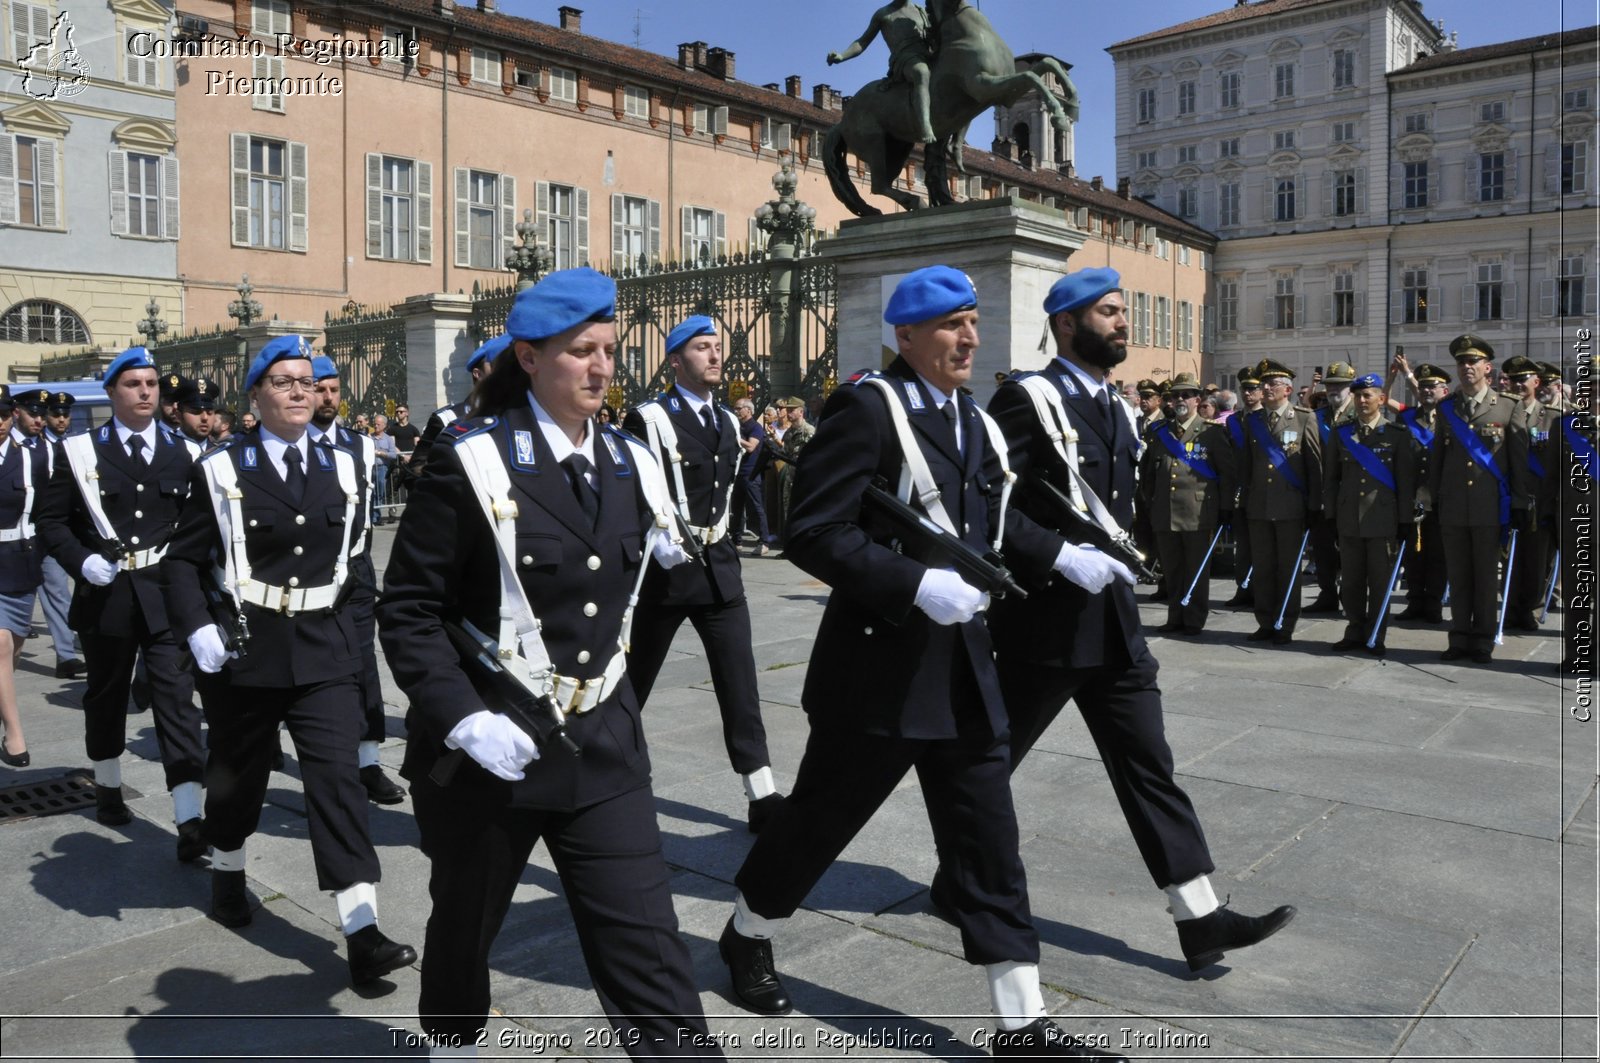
502,747
1089,568
98,570
666,552
209,649
947,598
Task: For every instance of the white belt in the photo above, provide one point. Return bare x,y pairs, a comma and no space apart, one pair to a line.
288,600
712,534
11,535
576,696
137,559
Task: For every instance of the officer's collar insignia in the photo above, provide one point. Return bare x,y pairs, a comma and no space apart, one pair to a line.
324,457
522,442
616,454
1069,385
676,405
914,396
250,458
105,433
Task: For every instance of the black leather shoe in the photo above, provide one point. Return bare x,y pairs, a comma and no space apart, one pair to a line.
763,811
1192,631
70,668
755,983
380,788
1522,622
1324,604
1482,657
1042,1038
1260,634
1282,638
1242,600
109,807
1344,645
1421,615
372,955
1168,629
1454,653
191,841
15,760
230,901
1380,650
1204,940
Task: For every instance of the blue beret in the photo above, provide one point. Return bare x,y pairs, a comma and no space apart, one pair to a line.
281,349
563,299
323,367
1083,288
1366,380
132,358
489,351
688,329
930,292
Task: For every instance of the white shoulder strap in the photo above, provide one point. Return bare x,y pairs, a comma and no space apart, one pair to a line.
1052,416
997,440
85,471
916,466
664,439
344,466
223,480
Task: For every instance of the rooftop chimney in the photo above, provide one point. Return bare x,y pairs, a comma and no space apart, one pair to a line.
792,86
823,96
686,55
447,8
1004,147
486,5
571,18
773,86
719,63
1123,186
1097,183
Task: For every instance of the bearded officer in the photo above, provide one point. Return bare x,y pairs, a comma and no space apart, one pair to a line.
696,440
196,400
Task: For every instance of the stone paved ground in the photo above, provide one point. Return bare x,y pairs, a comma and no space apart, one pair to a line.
1435,824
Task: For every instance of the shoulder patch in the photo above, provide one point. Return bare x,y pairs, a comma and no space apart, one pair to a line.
1069,385
456,431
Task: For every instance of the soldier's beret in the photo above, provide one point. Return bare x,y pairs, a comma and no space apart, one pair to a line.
489,351
930,292
1428,373
688,329
197,394
284,348
1339,373
1469,346
1083,288
132,358
1267,368
62,400
1520,366
1366,380
565,298
323,367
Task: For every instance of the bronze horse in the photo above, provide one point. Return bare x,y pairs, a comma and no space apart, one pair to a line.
972,71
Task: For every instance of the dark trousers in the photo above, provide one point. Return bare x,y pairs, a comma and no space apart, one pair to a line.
1425,568
363,611
1531,574
618,888
724,631
749,508
1472,561
324,721
1368,563
1324,549
1181,553
1122,708
109,660
846,775
1275,550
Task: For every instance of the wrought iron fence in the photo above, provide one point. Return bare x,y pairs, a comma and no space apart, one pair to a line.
86,364
369,347
217,353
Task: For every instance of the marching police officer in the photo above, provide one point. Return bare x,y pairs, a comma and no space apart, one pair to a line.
1538,531
196,401
1476,483
1186,483
1324,541
478,364
696,440
277,644
1424,563
1369,484
532,525
24,472
169,401
107,515
325,428
55,590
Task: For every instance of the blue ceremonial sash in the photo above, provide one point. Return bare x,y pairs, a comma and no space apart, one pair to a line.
1236,429
1274,449
1479,451
1324,423
1419,433
1365,455
1201,467
1582,449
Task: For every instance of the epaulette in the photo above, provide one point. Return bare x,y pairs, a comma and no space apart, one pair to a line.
168,433
1304,409
617,429
219,448
456,431
862,374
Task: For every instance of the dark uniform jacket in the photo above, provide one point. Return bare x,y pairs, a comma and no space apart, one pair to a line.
1360,504
879,664
142,506
430,433
287,545
21,561
1266,493
444,566
1060,623
710,463
361,568
1463,493
1177,498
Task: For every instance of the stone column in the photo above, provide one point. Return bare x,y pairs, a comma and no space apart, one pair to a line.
437,348
1012,249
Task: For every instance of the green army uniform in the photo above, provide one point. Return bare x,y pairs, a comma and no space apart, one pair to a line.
1278,502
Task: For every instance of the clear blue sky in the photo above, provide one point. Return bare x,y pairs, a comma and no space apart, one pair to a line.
775,38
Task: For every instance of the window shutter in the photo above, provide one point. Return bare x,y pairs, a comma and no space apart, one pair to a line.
374,205
1397,306
266,66
1361,190
1509,311
1300,312
1552,168
685,221
299,197
239,152
1302,193
1590,302
722,236
1472,170
118,166
1359,309
49,214
1272,311
424,208
719,121
1329,178
618,215
580,198
1511,174
655,230
1435,303
508,216
169,197
8,180
1547,298
1580,167
541,206
1469,302
463,216
1435,179
1327,309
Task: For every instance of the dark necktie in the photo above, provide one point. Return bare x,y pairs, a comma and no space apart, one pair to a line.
709,419
136,445
950,415
294,476
1103,399
577,467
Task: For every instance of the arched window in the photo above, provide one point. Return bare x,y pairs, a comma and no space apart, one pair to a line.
41,321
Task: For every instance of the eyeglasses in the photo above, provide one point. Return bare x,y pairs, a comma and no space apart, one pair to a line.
282,384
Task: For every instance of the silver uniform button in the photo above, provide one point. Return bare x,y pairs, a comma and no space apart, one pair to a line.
252,523
866,631
134,540
589,609
299,550
300,518
527,559
583,656
593,562
138,513
294,581
136,487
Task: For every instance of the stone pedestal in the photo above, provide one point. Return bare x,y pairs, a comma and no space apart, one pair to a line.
437,348
1012,249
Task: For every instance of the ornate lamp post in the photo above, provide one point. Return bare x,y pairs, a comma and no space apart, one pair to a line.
529,258
152,327
786,221
244,308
